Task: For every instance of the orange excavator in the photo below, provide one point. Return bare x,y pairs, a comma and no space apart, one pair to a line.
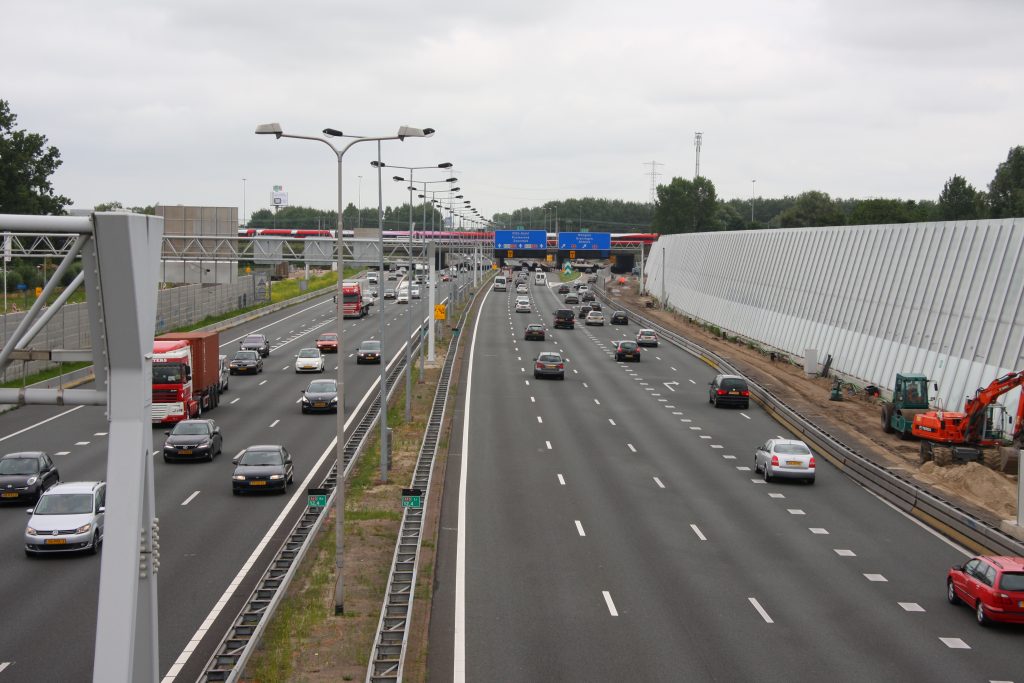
976,434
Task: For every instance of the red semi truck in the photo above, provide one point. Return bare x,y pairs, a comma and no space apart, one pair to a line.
186,375
353,303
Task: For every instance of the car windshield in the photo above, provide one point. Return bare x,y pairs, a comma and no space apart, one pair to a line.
791,449
19,466
64,504
549,358
328,337
309,353
190,429
260,457
245,355
535,327
321,386
1012,581
168,373
253,340
647,333
370,346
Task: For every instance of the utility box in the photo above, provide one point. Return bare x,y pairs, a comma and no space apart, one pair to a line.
810,362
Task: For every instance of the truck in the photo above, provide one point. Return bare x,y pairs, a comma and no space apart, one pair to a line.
353,303
186,375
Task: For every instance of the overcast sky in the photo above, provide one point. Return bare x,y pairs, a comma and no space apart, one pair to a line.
156,102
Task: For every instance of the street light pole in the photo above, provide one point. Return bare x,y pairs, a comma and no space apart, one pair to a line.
752,201
359,213
383,366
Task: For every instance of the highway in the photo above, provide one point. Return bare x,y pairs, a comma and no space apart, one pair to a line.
207,534
610,527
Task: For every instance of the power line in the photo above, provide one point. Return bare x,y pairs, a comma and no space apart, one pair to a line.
654,173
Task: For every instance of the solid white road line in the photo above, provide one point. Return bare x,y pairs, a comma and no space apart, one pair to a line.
911,606
959,548
611,605
760,610
843,552
697,531
579,528
274,423
41,422
658,482
630,447
561,480
190,498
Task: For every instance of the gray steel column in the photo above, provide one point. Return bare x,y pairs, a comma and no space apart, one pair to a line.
339,444
383,365
122,272
408,337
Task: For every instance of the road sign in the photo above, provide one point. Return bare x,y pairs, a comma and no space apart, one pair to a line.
412,498
572,254
317,498
550,257
440,312
39,290
585,241
520,239
511,253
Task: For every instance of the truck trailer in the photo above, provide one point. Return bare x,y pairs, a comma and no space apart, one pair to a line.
186,375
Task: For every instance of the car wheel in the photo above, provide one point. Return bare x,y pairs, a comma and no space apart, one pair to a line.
767,476
209,457
979,614
536,376
166,459
810,482
93,546
951,593
710,400
29,553
746,405
561,377
757,468
235,492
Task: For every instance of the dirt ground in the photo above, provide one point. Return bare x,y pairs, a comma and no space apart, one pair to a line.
855,420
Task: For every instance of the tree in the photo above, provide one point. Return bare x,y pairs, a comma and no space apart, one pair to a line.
960,201
1006,191
884,211
811,209
26,164
686,206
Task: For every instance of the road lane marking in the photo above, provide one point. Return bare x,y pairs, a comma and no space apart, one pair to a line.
288,366
585,386
561,480
729,457
911,606
100,434
69,453
673,369
239,399
190,498
262,383
527,382
41,422
274,423
877,578
685,419
540,419
81,443
4,665
715,445
818,530
795,511
704,436
611,422
760,610
678,412
698,532
843,552
692,382
597,402
658,482
579,528
630,446
757,481
743,468
955,643
533,400
611,605
548,444
777,495
745,415
963,551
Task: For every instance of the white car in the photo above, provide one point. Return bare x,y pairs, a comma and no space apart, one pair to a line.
523,305
309,360
594,318
403,297
647,337
371,278
521,289
414,292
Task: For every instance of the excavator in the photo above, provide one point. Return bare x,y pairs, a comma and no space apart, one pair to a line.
976,434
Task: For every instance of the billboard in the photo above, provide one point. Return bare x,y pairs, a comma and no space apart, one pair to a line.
531,240
584,241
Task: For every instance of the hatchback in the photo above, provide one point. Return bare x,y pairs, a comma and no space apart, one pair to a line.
729,390
647,337
327,342
563,288
595,318
414,292
25,476
522,305
522,289
587,296
193,440
572,298
321,396
368,352
549,364
403,297
262,468
534,332
627,350
309,360
67,518
992,586
256,342
246,361
785,459
619,318
564,317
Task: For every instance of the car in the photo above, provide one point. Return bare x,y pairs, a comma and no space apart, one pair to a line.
445,277
583,288
327,342
414,292
403,297
391,276
647,337
247,362
729,390
522,289
321,396
619,318
26,475
564,317
309,360
582,312
571,298
596,306
784,459
587,295
67,518
523,305
193,440
534,332
627,350
993,586
368,352
595,318
262,468
371,277
256,342
225,374
592,278
549,364
563,288
389,293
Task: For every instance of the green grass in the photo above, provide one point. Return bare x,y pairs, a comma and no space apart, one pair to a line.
44,375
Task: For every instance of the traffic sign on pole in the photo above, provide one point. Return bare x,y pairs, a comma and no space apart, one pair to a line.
317,498
412,498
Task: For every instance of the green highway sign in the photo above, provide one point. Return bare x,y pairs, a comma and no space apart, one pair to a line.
317,498
412,498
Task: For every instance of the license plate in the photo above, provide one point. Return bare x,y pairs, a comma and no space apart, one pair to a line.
734,393
319,405
1020,603
550,367
185,451
794,463
56,541
257,483
12,494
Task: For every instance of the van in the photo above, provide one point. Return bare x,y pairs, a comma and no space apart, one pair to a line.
500,283
540,279
564,317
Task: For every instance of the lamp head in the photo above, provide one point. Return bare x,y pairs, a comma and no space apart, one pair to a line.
270,129
446,164
410,132
333,132
451,180
397,178
378,164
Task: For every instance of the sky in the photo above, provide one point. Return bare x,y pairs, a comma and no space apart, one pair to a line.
532,101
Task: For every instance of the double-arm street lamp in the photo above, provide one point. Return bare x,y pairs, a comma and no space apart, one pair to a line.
339,449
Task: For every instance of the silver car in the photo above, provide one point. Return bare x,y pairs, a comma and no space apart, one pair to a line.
522,305
594,318
68,517
549,364
785,459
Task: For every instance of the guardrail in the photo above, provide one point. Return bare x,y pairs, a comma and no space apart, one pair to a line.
940,514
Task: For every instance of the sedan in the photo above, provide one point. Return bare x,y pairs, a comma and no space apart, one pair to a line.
68,517
549,364
572,298
309,360
246,361
627,350
368,352
26,476
522,305
595,318
647,337
193,440
321,396
262,468
619,318
534,332
327,342
389,293
256,342
587,296
414,292
403,297
563,288
785,459
992,586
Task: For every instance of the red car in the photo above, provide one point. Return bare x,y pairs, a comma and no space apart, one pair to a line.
992,586
327,342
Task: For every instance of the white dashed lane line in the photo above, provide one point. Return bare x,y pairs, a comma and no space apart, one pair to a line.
658,482
190,498
548,444
777,495
579,528
745,415
955,643
4,665
81,443
238,399
561,480
877,578
611,422
843,552
761,611
818,531
692,382
274,423
100,434
911,606
697,531
540,420
263,382
611,605
631,447
63,453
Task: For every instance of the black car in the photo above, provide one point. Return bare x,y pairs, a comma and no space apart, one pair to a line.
534,332
587,296
321,396
563,288
729,390
564,317
262,468
619,318
596,306
24,476
193,440
256,342
582,311
627,350
246,362
368,352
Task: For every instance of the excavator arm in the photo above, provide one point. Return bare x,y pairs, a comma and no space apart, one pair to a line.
976,408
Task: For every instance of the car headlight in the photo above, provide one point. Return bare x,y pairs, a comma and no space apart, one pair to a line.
83,529
277,476
305,400
29,531
238,477
31,480
203,444
334,400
